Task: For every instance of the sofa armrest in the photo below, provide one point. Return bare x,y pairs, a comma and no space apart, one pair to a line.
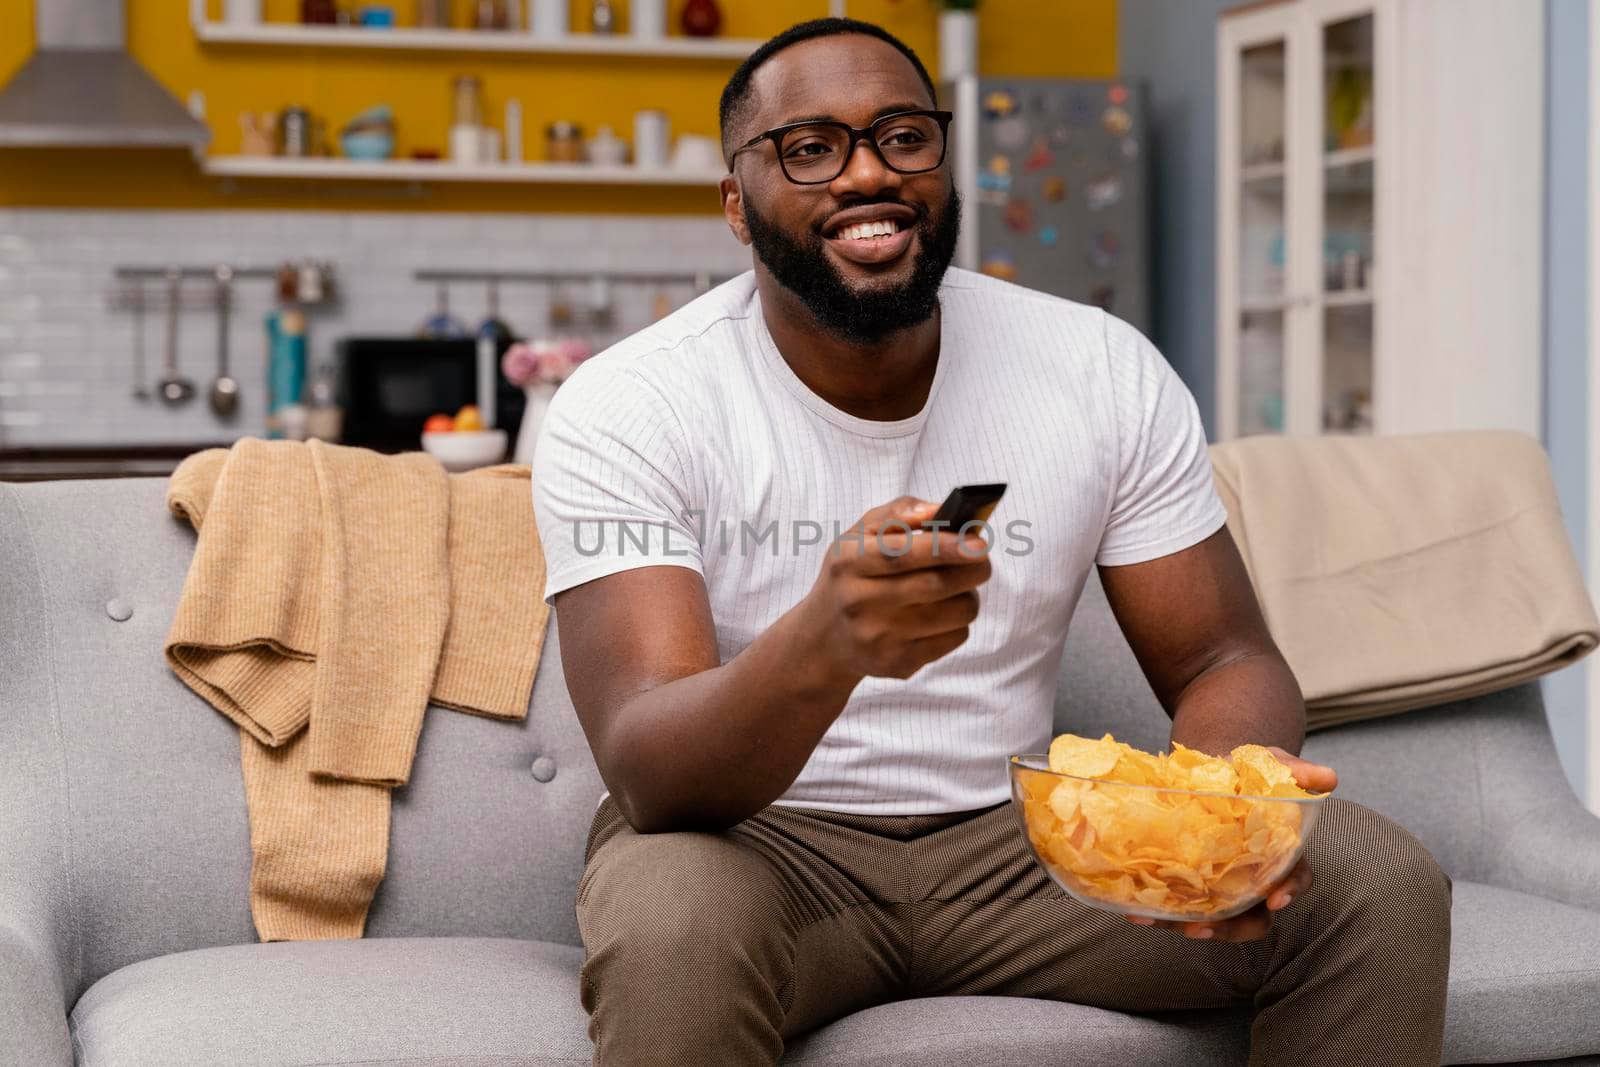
33,1021
1551,851
1537,837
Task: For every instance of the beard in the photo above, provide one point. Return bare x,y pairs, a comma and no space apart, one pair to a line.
860,316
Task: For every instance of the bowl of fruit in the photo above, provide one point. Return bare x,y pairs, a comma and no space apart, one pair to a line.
460,443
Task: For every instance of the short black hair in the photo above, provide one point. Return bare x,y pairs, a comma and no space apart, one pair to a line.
736,94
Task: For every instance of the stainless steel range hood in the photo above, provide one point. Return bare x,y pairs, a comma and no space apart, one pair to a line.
81,88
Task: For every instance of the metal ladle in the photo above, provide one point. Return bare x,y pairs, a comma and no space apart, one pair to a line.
140,390
175,388
224,390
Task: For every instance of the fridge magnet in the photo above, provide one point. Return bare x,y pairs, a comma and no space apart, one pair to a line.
999,164
1103,250
999,264
998,103
1011,133
1103,296
1061,134
993,197
999,183
1103,192
1048,236
1117,94
1130,148
1019,216
1053,189
1039,156
1080,109
1116,121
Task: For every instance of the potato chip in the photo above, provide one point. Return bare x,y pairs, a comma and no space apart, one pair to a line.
1208,837
1083,758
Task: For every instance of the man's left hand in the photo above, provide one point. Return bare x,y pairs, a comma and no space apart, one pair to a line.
1252,925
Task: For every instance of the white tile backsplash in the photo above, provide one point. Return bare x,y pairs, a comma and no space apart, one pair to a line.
67,357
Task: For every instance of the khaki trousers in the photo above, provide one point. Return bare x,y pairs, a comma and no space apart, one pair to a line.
712,948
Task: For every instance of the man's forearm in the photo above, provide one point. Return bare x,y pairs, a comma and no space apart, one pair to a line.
1250,699
710,750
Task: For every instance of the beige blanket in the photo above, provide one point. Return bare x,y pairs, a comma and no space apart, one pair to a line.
334,593
1400,572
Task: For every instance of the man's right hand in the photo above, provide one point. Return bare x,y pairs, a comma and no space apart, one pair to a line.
887,602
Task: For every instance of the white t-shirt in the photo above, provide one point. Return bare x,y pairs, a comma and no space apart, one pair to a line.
693,444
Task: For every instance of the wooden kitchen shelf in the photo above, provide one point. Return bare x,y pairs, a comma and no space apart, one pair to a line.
414,39
439,171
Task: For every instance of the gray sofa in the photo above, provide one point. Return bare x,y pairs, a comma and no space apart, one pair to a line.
125,936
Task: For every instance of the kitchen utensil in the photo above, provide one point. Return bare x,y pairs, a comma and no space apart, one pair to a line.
257,134
694,152
370,135
462,450
224,390
242,12
294,132
650,136
441,323
466,97
175,388
607,149
550,18
563,142
141,391
513,131
493,334
488,145
701,18
647,19
492,15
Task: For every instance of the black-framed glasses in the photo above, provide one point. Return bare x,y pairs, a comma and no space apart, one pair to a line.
814,153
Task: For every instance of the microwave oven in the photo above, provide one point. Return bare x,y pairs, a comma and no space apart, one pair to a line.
390,385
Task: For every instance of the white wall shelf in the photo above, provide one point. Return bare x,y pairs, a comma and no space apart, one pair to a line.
1346,298
439,171
411,38
1350,157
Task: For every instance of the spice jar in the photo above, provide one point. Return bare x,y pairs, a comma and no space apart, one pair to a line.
563,142
468,94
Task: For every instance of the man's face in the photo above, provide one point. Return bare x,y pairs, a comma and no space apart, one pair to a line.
862,289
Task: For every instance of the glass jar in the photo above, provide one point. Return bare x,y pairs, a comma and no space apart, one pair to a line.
563,142
468,93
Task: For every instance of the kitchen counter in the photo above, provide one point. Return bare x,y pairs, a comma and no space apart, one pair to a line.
54,462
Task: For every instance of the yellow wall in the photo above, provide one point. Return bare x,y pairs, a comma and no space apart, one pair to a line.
1066,38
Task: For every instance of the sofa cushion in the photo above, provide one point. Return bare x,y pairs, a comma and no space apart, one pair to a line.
1005,1031
399,1001
1524,978
1525,973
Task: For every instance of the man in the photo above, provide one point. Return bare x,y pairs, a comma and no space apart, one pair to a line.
804,734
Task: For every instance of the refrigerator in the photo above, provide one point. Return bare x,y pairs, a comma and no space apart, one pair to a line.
1054,182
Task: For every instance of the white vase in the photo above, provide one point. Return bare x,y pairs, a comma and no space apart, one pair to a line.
648,19
549,18
539,397
958,44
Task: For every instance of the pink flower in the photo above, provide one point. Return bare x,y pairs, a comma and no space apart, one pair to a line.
544,360
520,364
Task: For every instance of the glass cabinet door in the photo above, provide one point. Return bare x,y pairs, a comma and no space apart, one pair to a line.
1347,223
1263,102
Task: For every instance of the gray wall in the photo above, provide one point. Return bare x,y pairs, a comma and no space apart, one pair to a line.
1566,310
1171,46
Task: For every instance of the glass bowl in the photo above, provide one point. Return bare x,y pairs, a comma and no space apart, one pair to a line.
1157,852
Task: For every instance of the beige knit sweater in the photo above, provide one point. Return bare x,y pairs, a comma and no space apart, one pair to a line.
334,593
